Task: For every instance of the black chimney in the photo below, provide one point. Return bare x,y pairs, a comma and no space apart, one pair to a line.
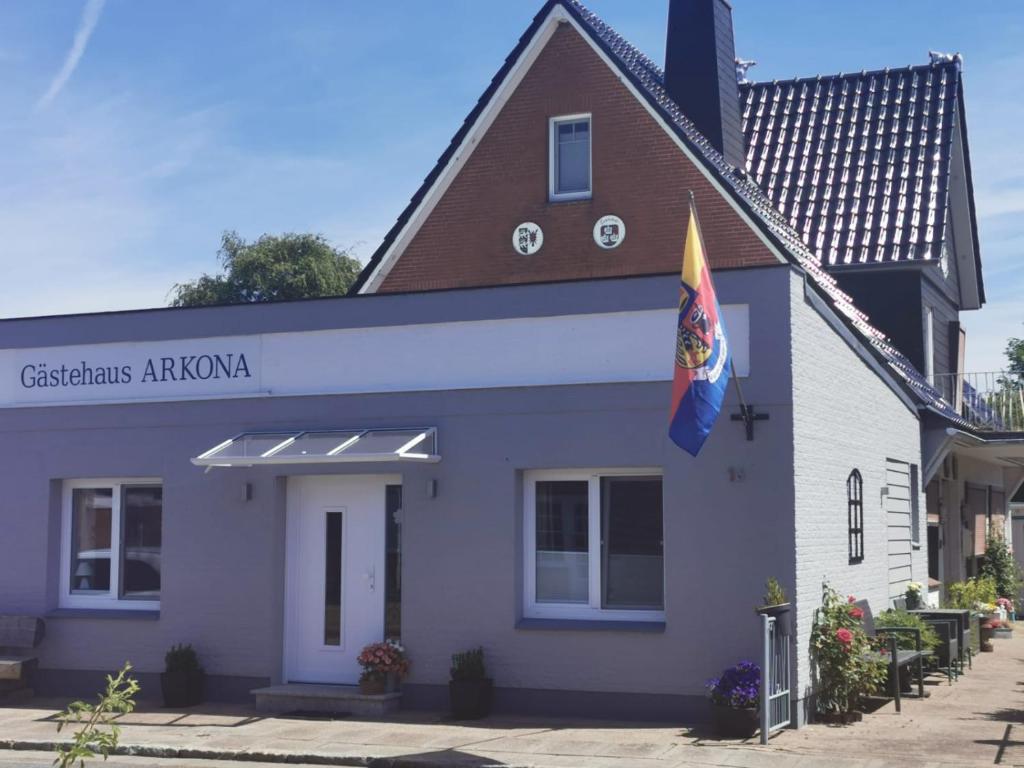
700,72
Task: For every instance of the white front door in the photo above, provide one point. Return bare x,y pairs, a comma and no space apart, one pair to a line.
334,575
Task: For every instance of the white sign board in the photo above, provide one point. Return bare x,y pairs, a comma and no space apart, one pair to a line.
534,351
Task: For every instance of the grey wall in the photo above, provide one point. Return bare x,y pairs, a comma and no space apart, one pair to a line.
844,417
223,558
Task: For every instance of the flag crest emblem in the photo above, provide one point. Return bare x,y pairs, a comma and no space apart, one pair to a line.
702,350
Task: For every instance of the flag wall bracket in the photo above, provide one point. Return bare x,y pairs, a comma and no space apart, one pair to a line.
748,417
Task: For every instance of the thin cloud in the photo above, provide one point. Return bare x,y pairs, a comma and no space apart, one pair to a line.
86,25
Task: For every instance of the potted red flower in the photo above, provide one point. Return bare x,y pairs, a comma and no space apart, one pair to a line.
384,665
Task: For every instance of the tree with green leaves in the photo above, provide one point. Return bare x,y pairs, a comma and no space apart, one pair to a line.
1015,356
272,268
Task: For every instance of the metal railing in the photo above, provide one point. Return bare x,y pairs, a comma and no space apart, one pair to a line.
991,401
775,703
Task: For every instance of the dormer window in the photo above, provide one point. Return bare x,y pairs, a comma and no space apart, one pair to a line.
569,177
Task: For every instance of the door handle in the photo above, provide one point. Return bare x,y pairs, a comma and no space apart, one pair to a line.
371,578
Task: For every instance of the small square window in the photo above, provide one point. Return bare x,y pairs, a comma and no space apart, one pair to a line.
570,176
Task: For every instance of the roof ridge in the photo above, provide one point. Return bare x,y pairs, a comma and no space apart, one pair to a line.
862,73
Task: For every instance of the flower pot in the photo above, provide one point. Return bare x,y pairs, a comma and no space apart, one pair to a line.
781,613
470,699
183,689
913,601
730,723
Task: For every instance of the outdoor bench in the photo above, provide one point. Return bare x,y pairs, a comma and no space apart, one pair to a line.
19,637
898,658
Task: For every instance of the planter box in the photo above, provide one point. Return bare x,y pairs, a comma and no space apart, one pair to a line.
377,686
781,613
1002,634
732,723
470,699
183,690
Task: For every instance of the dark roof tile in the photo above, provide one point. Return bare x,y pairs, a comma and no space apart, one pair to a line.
877,144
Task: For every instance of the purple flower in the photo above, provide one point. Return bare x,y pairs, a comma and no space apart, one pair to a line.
738,686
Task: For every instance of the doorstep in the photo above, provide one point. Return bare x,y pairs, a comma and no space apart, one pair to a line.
310,697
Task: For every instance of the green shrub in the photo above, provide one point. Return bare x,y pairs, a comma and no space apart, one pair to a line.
469,665
1002,568
181,659
897,618
847,668
98,733
973,594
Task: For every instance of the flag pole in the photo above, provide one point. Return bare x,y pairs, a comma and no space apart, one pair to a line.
746,414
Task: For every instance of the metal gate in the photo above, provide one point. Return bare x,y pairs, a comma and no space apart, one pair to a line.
775,703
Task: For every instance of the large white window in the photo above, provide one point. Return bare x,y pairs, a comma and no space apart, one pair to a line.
594,545
111,543
569,150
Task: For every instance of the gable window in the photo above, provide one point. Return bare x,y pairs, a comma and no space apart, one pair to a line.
594,545
855,515
569,158
111,537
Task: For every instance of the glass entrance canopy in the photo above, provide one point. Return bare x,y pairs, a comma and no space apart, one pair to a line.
323,447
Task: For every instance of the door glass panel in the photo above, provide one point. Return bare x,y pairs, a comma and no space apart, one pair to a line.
332,580
393,578
562,542
140,557
91,517
631,542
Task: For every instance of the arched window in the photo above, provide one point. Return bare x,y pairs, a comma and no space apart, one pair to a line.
855,515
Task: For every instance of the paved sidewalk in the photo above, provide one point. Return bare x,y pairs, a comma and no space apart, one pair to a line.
978,721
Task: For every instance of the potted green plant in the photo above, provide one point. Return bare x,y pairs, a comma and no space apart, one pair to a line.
775,603
913,595
735,696
384,665
469,690
774,600
183,681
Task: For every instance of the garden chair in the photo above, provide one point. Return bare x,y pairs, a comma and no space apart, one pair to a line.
965,653
899,658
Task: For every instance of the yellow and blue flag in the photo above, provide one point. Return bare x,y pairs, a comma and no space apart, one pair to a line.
702,350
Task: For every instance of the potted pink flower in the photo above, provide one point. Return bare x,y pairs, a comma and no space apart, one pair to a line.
384,665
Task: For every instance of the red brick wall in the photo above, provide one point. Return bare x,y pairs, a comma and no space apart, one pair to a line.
639,174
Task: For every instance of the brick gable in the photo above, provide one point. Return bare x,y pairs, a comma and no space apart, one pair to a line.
639,174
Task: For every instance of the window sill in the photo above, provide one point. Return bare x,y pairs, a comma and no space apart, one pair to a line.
570,198
102,613
591,625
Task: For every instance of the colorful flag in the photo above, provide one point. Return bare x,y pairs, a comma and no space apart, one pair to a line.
702,351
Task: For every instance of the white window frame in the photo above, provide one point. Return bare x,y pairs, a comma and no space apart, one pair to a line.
593,610
111,600
553,194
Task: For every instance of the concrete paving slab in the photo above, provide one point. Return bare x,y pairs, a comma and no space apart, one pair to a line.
978,721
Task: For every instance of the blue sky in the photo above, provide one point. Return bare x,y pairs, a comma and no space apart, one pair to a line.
133,133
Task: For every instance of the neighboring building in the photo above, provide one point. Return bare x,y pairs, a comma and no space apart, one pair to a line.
474,451
873,170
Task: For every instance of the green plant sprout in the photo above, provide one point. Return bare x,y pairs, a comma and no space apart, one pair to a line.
99,733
